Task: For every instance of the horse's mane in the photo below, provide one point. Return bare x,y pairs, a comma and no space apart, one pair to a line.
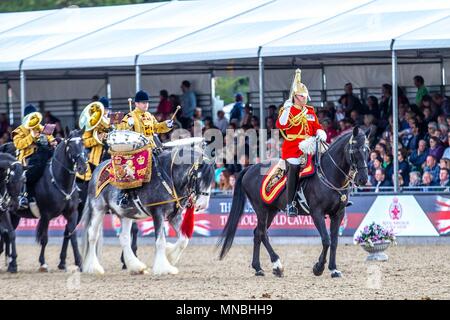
5,160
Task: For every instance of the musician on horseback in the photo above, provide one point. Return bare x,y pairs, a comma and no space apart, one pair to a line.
33,148
96,124
143,122
300,127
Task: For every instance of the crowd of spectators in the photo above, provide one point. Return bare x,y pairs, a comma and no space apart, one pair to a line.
423,124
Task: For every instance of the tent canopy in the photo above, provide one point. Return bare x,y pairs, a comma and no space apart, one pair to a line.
219,31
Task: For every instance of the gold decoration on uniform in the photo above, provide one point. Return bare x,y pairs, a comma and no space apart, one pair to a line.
32,120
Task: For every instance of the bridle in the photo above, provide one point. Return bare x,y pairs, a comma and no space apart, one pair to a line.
5,198
350,151
73,171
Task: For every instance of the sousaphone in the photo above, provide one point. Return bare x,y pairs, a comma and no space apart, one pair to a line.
93,119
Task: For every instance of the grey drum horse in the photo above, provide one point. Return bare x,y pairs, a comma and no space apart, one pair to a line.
186,171
11,181
326,192
56,193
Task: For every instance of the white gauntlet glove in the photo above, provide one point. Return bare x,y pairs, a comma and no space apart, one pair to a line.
169,123
285,115
321,135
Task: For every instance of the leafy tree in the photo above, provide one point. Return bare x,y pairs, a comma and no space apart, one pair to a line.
30,5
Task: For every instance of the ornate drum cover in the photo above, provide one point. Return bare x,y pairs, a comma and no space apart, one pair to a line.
131,169
126,140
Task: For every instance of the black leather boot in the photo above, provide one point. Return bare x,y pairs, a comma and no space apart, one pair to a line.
122,199
291,188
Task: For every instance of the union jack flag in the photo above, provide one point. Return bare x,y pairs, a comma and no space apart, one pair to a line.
443,217
201,226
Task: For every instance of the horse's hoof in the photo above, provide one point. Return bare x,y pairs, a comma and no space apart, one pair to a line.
138,273
260,273
278,272
12,269
124,267
43,268
318,270
336,274
62,266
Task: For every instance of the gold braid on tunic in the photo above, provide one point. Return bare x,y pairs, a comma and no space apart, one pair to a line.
299,120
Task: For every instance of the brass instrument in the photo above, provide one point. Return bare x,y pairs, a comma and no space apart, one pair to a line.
93,118
32,120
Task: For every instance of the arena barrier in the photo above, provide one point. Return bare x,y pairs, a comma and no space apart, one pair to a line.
408,215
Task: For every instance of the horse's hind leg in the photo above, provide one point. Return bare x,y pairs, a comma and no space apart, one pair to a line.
334,230
319,222
258,234
161,265
133,264
277,267
174,251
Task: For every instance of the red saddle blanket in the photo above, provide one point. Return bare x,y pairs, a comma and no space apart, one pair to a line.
275,180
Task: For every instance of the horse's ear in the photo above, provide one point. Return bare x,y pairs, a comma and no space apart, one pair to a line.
67,131
355,131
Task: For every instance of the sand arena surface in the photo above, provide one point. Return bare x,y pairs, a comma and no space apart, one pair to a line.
412,272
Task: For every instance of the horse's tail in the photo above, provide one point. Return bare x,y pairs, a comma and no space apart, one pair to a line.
237,208
42,228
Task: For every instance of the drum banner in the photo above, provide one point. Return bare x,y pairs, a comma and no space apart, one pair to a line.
131,169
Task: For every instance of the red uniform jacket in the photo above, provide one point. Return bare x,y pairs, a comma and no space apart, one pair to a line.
297,129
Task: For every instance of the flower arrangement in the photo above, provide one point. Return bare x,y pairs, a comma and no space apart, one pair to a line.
375,234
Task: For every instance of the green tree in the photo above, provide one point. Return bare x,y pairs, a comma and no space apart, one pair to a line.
31,5
227,87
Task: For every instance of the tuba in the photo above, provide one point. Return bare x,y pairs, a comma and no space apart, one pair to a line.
32,120
93,118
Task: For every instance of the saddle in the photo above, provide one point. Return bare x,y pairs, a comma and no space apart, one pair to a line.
275,180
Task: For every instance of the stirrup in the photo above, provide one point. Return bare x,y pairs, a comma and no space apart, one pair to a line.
291,209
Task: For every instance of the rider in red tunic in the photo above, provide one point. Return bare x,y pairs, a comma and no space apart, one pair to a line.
300,127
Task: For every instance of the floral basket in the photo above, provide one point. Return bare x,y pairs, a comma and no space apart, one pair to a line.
375,239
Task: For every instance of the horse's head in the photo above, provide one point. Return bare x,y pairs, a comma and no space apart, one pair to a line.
202,176
11,173
358,150
75,151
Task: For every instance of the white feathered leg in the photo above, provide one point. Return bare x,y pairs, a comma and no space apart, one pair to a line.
91,263
174,251
161,266
134,265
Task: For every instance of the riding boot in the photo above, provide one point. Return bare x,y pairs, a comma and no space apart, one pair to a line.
291,186
122,199
23,198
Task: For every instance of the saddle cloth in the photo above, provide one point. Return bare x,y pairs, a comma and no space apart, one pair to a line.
126,170
275,180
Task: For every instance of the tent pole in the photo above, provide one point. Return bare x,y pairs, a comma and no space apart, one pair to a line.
9,104
442,77
22,91
394,117
212,79
138,77
323,94
262,144
108,90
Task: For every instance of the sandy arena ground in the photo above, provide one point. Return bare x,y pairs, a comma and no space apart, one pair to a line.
412,272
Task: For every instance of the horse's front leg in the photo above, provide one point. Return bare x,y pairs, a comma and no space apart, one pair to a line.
319,221
134,265
174,251
334,230
161,266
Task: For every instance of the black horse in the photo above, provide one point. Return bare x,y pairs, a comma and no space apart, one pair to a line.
56,193
171,178
326,192
11,181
